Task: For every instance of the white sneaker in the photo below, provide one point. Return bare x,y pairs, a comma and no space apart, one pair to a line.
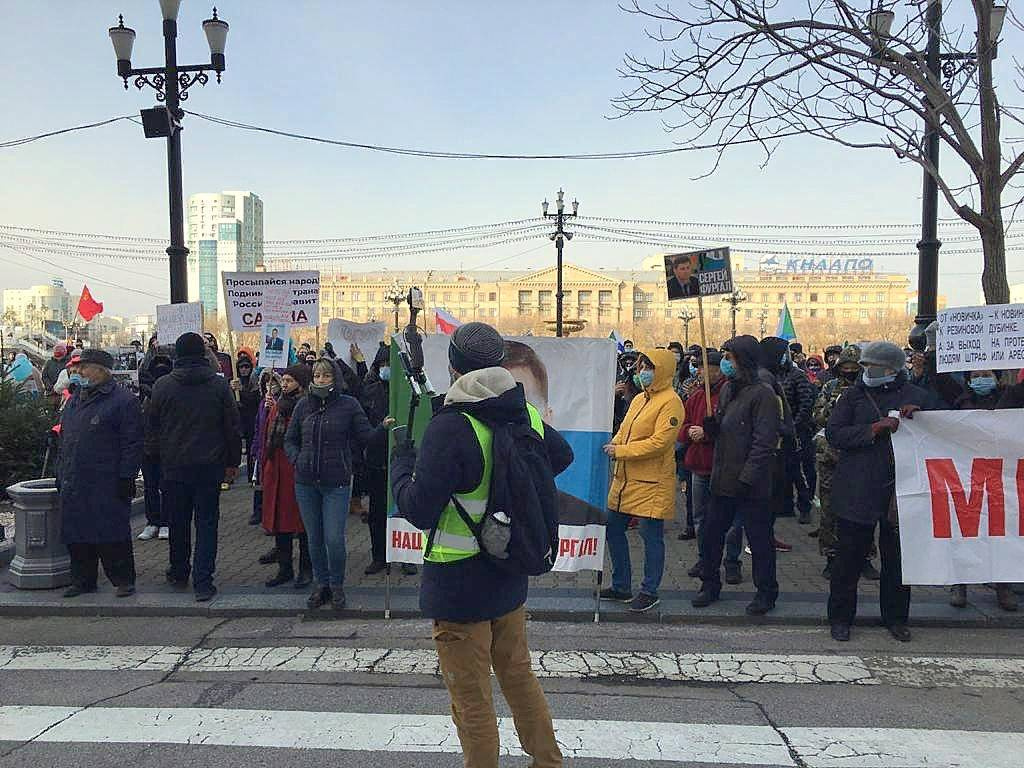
165,532
149,532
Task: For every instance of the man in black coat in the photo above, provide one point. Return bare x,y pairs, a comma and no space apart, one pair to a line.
864,480
193,431
801,471
100,452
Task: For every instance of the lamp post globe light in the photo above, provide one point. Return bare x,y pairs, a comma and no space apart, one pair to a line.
940,65
171,83
687,316
734,300
396,295
559,236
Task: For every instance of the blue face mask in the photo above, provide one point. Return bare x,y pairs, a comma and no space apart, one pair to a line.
693,369
385,373
728,368
75,379
878,381
644,379
983,385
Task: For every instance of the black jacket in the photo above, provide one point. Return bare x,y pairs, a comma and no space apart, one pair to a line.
1013,397
376,403
865,475
450,461
320,434
746,428
801,395
192,418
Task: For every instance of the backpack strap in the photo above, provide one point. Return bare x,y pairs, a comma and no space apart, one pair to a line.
473,527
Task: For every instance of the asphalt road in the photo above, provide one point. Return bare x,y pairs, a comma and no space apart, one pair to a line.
283,692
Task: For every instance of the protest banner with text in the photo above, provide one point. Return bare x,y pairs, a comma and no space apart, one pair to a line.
244,295
172,320
959,490
698,273
344,333
985,338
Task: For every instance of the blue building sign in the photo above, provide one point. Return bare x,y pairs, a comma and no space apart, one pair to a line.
817,265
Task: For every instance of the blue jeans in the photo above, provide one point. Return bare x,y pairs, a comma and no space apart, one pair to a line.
324,514
701,488
653,533
193,493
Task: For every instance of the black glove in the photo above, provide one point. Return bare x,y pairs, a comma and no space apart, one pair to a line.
403,453
126,488
711,427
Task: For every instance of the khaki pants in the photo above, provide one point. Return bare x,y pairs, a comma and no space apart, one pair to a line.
466,653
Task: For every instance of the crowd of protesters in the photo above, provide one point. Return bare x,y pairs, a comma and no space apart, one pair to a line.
786,435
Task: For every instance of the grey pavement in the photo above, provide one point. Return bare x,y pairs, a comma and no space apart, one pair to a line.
553,596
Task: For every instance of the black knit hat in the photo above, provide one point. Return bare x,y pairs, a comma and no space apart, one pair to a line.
97,357
475,346
301,373
190,345
796,348
383,356
714,358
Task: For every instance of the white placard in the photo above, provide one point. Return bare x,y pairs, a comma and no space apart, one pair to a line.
344,333
959,483
277,304
172,320
989,337
244,294
274,345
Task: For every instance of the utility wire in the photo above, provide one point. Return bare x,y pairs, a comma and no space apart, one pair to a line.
29,139
90,278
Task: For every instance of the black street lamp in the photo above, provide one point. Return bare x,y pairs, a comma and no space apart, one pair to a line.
687,316
948,65
171,83
764,319
734,300
396,295
559,236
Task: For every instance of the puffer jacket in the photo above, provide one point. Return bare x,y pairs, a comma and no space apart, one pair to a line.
644,483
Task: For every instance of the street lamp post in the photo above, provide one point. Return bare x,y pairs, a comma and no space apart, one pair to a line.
764,319
734,300
171,83
396,295
939,64
687,316
559,236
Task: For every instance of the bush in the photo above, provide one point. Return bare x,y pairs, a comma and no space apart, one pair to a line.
24,425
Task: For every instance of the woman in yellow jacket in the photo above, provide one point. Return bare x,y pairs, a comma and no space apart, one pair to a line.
644,483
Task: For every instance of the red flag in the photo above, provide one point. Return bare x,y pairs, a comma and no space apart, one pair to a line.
88,307
445,322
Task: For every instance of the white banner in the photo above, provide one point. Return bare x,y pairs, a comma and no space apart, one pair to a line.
244,295
580,547
367,336
172,320
959,487
986,338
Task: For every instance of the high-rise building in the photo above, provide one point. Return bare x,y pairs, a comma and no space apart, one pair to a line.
225,234
34,306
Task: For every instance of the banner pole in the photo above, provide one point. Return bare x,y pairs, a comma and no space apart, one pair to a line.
387,591
704,354
597,598
231,337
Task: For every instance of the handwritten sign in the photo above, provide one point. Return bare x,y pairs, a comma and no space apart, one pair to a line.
344,333
172,320
245,292
985,338
277,304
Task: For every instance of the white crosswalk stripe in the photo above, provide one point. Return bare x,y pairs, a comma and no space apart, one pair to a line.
903,671
597,739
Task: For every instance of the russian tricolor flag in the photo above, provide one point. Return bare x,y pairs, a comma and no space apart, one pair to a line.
445,322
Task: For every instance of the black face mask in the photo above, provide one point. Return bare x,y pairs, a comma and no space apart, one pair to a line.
850,376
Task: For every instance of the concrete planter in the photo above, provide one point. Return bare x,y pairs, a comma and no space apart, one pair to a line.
41,560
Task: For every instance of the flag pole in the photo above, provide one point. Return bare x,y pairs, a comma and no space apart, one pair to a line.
704,353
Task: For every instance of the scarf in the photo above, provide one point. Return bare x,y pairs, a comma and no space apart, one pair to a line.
285,406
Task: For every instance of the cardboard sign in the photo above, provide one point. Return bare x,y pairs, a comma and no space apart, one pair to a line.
172,320
985,338
959,491
244,294
277,304
698,273
367,336
274,345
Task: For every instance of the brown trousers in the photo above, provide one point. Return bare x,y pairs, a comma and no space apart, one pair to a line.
467,653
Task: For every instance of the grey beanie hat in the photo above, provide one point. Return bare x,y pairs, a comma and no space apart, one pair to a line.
883,353
475,346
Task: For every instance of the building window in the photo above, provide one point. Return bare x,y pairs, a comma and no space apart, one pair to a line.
782,297
830,313
357,311
814,298
432,297
865,298
796,312
447,297
847,313
604,298
749,314
545,300
371,296
462,313
880,314
863,314
812,312
355,296
847,298
584,298
463,298
325,296
880,297
798,297
492,296
492,312
483,312
716,313
830,297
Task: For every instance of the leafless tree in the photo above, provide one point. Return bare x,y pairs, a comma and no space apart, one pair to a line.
738,72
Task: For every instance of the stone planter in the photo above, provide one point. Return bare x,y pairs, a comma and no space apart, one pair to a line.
40,560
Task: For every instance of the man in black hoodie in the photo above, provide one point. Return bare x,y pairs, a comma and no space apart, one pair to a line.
478,611
192,430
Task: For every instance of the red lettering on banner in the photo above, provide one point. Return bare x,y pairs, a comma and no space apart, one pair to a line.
577,547
1020,497
406,540
396,539
944,482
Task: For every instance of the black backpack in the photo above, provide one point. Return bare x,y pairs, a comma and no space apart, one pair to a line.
518,533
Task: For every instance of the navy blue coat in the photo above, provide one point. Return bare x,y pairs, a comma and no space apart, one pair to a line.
319,437
101,443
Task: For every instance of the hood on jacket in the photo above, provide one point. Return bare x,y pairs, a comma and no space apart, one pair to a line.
664,368
490,394
747,353
247,352
772,350
192,370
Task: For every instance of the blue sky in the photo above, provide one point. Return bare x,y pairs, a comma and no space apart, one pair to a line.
518,76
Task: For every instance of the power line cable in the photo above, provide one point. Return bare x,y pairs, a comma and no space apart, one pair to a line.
29,139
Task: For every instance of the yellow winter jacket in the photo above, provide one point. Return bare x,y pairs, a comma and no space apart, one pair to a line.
644,482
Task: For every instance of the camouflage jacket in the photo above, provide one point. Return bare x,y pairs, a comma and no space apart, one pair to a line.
830,393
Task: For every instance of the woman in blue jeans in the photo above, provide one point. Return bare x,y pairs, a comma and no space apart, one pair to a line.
318,440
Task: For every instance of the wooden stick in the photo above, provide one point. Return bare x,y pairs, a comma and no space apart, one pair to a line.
704,354
231,337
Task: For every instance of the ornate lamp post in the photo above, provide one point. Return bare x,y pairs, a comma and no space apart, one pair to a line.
948,65
396,295
687,316
734,300
559,236
763,317
171,83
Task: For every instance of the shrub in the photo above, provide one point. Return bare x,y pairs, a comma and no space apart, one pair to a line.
24,425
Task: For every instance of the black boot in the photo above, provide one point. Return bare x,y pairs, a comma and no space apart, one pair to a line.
285,573
305,577
271,556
